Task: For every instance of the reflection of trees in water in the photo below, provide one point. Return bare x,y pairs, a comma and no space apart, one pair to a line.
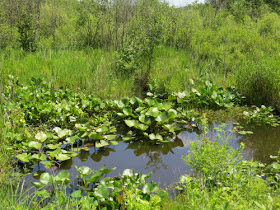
154,152
97,155
66,165
155,162
264,141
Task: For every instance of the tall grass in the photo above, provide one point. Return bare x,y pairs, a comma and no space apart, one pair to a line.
260,82
94,71
88,70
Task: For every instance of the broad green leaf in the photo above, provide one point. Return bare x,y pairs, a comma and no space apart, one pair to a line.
41,136
84,170
71,140
73,154
52,146
102,129
131,123
191,81
43,193
77,194
172,113
127,138
102,191
81,127
143,177
165,105
102,143
157,136
46,163
196,92
39,156
170,127
72,119
144,119
94,178
62,157
35,145
139,109
121,114
245,132
24,157
181,95
125,101
114,142
37,184
276,165
105,170
45,178
110,137
62,177
151,101
153,111
149,187
127,111
95,136
57,129
163,117
141,127
62,133
135,101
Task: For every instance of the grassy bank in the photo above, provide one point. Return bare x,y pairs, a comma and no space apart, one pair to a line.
98,72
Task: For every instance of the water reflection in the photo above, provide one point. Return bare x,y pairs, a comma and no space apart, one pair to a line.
264,141
102,152
164,160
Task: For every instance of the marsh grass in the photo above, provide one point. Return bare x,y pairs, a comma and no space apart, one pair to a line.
260,82
94,71
89,70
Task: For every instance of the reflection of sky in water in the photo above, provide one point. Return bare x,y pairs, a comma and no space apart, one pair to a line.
165,160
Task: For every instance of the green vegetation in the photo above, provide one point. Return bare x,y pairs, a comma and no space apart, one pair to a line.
223,180
262,116
48,126
117,48
96,72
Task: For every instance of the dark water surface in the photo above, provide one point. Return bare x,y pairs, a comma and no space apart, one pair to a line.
165,160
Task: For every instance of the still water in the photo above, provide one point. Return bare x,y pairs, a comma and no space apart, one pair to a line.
165,160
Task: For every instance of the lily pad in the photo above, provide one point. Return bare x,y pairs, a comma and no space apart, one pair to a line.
41,136
24,157
102,143
144,119
35,145
153,111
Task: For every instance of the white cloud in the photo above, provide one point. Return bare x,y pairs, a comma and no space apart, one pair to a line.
179,3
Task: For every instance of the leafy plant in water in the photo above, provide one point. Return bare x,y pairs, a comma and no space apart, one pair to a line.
94,191
208,95
151,118
262,116
222,179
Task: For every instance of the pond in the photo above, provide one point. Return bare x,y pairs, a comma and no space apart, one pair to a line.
165,160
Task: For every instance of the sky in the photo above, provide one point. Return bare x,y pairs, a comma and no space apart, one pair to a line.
179,3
